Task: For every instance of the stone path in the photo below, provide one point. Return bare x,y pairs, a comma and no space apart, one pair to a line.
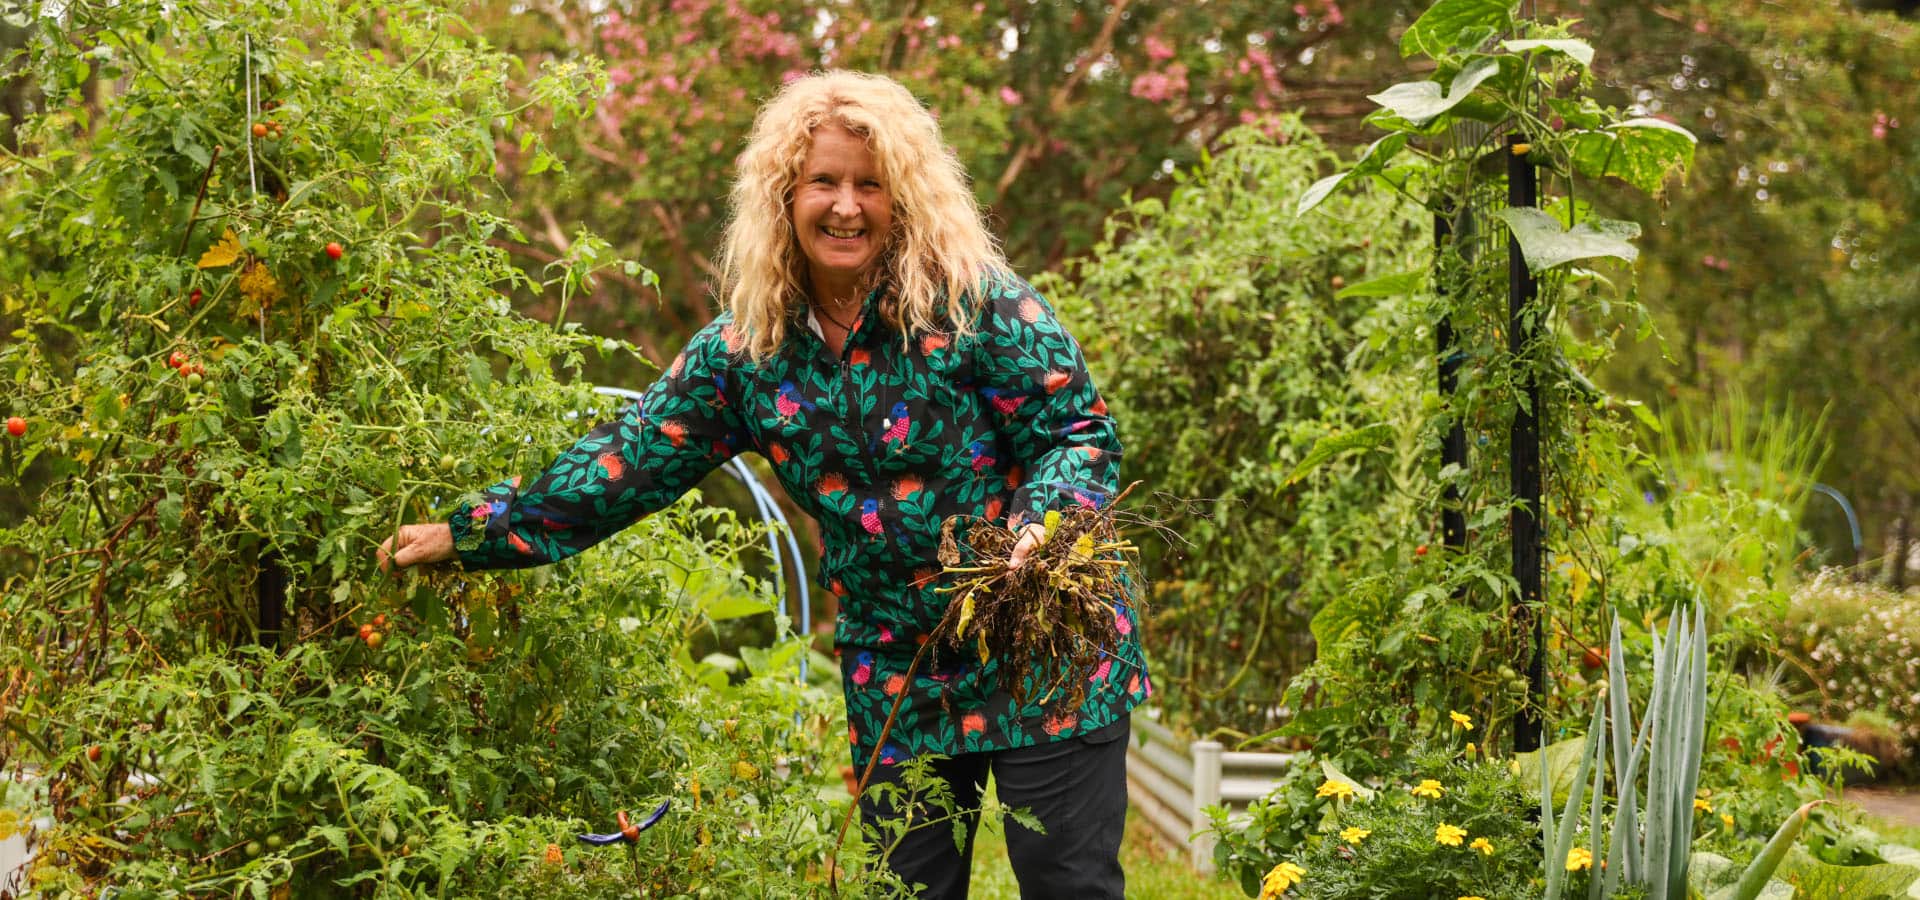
1899,805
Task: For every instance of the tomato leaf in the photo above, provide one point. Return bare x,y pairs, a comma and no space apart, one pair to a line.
223,252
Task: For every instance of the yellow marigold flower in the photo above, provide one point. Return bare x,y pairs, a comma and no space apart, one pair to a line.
1461,719
745,771
1700,804
1726,820
1279,878
1449,835
1355,834
1335,788
1579,858
1483,845
1429,789
1471,749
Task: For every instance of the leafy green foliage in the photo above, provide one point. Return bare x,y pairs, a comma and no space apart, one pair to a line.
1210,322
246,354
1850,643
1396,851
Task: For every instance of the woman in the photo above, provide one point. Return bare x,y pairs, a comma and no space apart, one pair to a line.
878,351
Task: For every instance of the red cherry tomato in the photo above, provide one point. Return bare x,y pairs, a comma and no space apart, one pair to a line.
380,621
1420,550
334,250
16,426
176,359
193,297
93,753
259,129
366,631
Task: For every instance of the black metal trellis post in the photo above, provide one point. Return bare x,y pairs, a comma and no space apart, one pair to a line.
270,593
1453,448
1523,455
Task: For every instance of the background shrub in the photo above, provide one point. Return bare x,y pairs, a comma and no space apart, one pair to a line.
1212,320
1855,649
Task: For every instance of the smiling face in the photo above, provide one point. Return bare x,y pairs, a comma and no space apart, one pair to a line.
842,212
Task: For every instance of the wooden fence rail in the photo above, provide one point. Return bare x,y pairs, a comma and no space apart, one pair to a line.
1172,782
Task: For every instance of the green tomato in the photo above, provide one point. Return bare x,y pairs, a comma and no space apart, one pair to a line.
255,848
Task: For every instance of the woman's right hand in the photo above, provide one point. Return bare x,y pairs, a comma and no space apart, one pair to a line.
415,545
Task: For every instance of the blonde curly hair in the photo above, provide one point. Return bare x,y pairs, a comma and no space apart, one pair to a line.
938,253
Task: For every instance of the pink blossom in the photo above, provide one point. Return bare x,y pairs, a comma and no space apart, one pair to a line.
1158,50
1158,87
1009,96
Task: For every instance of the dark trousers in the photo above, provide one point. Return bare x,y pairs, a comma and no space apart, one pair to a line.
1077,788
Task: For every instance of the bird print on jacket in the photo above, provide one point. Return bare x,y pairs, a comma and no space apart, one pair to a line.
881,443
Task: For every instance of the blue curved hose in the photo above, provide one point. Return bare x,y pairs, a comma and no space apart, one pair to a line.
777,527
1853,521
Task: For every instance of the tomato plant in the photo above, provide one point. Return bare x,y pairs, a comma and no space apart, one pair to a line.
183,671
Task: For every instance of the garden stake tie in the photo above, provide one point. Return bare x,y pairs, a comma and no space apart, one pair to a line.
629,832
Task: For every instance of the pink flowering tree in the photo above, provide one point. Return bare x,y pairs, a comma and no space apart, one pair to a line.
1059,110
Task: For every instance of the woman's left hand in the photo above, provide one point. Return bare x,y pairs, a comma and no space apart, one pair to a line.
1030,537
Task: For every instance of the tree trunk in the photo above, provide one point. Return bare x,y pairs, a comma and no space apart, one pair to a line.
1902,545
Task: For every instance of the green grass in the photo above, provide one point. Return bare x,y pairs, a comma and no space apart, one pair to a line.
1154,870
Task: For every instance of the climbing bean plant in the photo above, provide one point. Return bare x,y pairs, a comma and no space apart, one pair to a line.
1441,631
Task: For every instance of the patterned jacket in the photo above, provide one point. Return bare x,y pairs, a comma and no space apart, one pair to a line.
881,444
